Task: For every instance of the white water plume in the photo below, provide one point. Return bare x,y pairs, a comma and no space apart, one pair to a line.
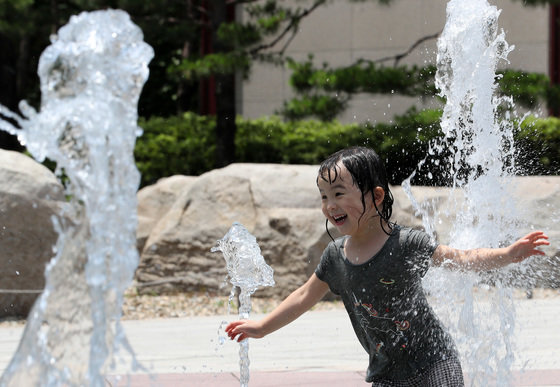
247,270
91,78
478,147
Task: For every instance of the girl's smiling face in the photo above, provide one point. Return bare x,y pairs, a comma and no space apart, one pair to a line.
341,201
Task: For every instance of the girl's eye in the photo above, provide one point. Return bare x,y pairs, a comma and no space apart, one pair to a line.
323,197
338,194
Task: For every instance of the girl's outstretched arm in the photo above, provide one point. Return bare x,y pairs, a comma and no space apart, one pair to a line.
301,300
486,259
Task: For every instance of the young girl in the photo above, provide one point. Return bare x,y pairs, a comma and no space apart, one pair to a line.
376,268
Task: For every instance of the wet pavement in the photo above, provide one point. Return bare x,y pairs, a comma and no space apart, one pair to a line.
317,349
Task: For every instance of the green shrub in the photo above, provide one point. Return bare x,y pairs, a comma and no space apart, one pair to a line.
538,142
175,145
185,144
271,140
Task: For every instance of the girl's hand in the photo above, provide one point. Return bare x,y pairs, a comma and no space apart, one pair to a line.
244,329
299,301
488,259
527,246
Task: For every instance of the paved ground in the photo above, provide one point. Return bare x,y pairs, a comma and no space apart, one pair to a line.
317,349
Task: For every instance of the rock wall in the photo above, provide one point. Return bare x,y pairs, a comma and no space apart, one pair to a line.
280,205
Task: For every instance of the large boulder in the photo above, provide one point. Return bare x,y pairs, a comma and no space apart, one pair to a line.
155,200
280,206
30,195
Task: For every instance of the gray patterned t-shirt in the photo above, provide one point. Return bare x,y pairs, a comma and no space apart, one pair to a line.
387,306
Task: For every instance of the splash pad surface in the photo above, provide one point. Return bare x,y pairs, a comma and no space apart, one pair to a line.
300,352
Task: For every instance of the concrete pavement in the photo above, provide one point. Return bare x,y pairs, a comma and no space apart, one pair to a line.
317,349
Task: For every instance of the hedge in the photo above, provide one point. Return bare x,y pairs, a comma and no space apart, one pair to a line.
538,140
185,144
175,145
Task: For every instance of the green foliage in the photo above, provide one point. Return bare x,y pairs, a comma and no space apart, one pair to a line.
404,143
325,92
299,142
528,89
185,144
175,145
323,107
235,35
539,146
362,77
198,67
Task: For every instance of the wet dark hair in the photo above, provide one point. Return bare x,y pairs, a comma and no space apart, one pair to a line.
367,171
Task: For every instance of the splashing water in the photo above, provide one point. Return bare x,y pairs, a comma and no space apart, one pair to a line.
478,144
91,78
247,270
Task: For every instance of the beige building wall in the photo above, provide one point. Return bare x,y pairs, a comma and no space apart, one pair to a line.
342,32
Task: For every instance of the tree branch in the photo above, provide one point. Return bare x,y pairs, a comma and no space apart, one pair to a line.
293,25
397,58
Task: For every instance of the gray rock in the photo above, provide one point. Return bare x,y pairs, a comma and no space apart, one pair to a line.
278,204
29,196
155,200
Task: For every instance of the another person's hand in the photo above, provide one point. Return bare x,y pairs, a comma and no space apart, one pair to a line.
244,329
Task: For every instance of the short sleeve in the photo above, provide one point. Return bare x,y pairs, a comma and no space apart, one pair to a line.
325,270
322,268
421,247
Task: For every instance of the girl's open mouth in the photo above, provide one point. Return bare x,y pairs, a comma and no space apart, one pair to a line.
338,220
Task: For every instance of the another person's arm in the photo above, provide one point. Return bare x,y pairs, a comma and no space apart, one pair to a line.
297,303
487,259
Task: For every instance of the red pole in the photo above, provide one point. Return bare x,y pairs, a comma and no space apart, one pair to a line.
207,95
207,90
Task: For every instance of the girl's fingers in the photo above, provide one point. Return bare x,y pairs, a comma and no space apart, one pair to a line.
537,235
231,326
541,242
233,332
232,335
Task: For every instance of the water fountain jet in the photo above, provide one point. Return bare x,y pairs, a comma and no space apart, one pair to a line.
91,78
247,271
479,149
